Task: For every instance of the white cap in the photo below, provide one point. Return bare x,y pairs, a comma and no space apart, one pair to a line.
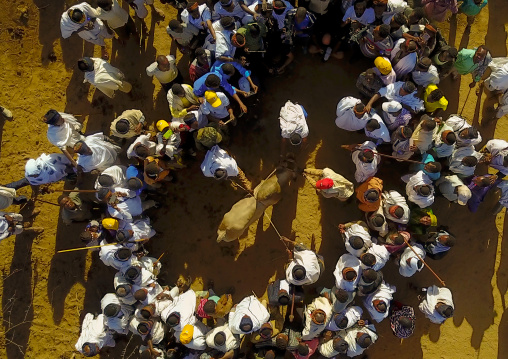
391,106
31,168
463,194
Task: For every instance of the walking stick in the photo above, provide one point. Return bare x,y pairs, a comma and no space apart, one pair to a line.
103,245
76,190
426,265
291,316
383,155
460,114
43,201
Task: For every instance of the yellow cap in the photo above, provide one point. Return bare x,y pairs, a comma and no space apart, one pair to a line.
212,98
383,65
186,334
161,125
110,223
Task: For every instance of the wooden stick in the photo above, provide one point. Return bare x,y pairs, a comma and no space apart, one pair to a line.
228,121
262,51
103,245
76,190
383,155
291,316
467,97
43,201
426,265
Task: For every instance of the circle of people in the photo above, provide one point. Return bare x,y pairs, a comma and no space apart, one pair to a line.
228,42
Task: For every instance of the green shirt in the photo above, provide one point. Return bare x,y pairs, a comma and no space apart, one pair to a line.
469,8
464,63
253,44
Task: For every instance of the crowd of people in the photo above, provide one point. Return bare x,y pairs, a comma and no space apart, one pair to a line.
232,45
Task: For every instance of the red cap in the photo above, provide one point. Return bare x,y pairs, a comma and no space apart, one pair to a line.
183,126
325,183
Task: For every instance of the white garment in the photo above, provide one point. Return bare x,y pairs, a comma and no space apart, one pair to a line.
120,280
67,134
252,307
365,170
119,323
232,341
422,139
307,259
442,149
428,305
406,64
391,198
141,229
354,349
94,331
116,17
127,207
409,269
447,186
107,256
151,294
342,188
185,305
7,196
383,293
52,168
217,158
96,35
201,21
418,179
346,118
145,141
425,78
223,45
117,173
381,133
198,341
357,230
458,124
347,260
353,315
292,120
498,149
156,334
392,92
219,112
311,329
103,154
382,256
164,77
105,77
387,79
498,79
368,16
458,154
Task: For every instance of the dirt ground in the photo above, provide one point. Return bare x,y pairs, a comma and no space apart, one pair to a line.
45,295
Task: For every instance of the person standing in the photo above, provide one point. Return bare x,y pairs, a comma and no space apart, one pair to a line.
117,19
95,153
474,62
94,336
305,266
129,124
64,131
103,76
437,304
471,8
164,69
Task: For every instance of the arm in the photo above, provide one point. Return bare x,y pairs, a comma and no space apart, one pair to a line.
210,28
242,106
374,98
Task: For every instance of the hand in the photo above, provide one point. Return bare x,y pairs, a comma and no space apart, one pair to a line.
368,107
201,100
492,179
342,228
413,148
243,108
221,123
121,194
232,117
255,88
138,128
193,108
256,16
243,60
472,84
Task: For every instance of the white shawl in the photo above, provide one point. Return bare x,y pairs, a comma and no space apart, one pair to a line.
103,154
382,256
441,148
198,341
425,78
105,77
408,270
232,341
353,314
458,124
144,140
119,323
117,173
381,133
252,307
418,179
52,168
347,260
107,256
354,349
383,293
67,134
392,93
292,120
185,305
406,64
498,79
309,261
434,296
346,118
458,154
392,198
365,170
357,230
217,158
311,329
118,280
498,149
94,331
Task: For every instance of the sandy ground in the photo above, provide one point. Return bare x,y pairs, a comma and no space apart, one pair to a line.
44,296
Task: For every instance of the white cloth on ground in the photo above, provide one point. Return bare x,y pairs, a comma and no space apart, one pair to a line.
292,120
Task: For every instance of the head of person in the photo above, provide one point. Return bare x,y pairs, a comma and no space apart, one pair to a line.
341,295
141,294
124,235
193,9
469,161
325,183
175,26
246,324
463,194
90,349
219,338
254,30
340,320
366,156
349,274
213,81
340,345
53,118
423,190
67,203
369,275
409,47
430,31
377,220
110,224
448,137
469,133
228,5
370,76
404,132
220,174
209,307
360,7
77,16
435,96
173,319
371,195
145,327
381,32
283,297
394,108
432,167
356,242
112,309
270,354
295,139
318,316
301,13
372,125
85,64
416,15
152,170
380,6
359,110
238,40
383,65
396,211
398,20
423,64
363,340
299,272
163,63
105,180
164,129
414,263
147,311
227,22
266,331
191,121
303,349
134,184
122,254
445,310
368,259
201,56
122,126
427,123
279,7
446,240
132,273
448,54
407,88
480,54
82,148
177,90
123,290
105,5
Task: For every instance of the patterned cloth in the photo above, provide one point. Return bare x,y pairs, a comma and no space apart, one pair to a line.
398,330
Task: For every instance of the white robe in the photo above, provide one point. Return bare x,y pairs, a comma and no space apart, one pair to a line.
401,147
94,331
498,149
408,270
217,158
442,149
144,140
498,79
428,305
105,77
458,124
157,332
391,198
418,179
252,307
117,173
141,229
346,118
128,207
292,120
311,329
382,256
103,154
67,134
406,64
96,35
198,341
52,169
353,315
383,293
347,260
107,256
307,259
458,154
119,323
357,230
422,139
383,230
232,341
120,280
425,78
365,170
381,133
354,349
392,93
185,305
152,293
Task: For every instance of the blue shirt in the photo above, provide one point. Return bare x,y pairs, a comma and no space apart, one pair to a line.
426,158
134,172
200,87
217,67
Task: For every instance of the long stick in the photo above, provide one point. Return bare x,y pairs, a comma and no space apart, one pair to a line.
426,265
103,245
466,100
383,155
291,316
43,201
77,190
